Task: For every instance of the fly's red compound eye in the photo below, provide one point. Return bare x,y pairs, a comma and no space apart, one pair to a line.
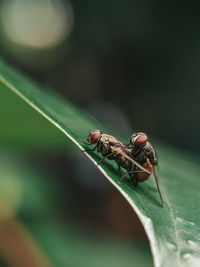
139,139
94,136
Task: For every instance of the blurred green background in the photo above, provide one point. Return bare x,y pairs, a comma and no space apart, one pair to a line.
132,64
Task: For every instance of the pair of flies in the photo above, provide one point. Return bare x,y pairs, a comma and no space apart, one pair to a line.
138,157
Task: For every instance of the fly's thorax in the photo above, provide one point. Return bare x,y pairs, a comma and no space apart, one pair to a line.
138,153
107,142
151,154
104,145
105,148
143,152
105,138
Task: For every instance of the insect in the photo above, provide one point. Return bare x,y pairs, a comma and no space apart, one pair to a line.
143,153
111,148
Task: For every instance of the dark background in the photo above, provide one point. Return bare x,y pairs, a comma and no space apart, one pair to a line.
132,64
140,57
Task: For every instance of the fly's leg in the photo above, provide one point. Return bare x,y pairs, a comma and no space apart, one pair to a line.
119,170
133,176
89,149
135,181
121,179
85,142
107,156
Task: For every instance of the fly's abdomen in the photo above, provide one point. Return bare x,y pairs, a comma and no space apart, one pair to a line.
142,176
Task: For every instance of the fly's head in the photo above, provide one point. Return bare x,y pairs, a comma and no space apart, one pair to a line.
94,136
138,139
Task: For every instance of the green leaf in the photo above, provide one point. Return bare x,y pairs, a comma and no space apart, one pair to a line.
31,131
173,230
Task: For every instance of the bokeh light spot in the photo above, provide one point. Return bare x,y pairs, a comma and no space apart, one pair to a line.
36,23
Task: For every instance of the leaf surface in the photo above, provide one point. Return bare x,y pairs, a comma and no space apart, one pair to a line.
174,230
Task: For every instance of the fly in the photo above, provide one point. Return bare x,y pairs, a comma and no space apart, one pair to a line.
143,152
111,148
